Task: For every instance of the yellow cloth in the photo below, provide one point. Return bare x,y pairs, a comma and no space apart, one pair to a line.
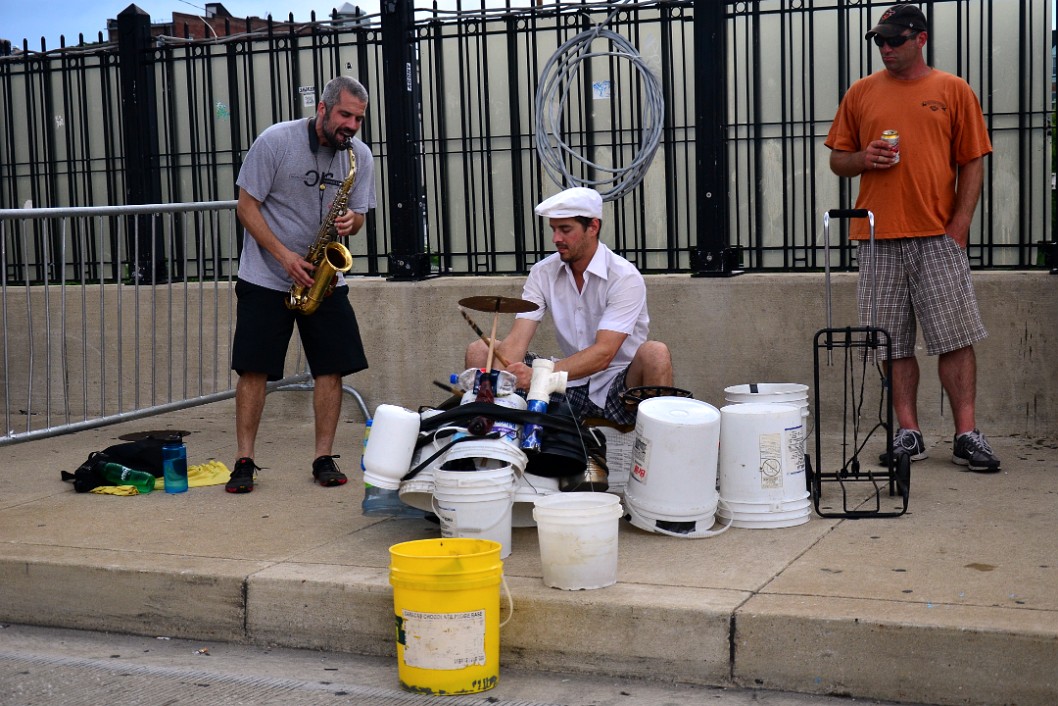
211,472
115,490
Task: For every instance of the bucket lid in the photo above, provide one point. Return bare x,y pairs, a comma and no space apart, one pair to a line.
682,410
767,388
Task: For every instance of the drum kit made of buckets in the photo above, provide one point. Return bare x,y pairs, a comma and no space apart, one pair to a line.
685,468
498,460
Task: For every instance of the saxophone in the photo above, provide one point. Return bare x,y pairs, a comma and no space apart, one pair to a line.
328,256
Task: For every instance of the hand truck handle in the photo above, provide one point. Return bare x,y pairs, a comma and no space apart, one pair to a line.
845,213
848,213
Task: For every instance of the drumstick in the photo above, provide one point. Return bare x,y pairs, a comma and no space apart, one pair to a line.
483,337
492,341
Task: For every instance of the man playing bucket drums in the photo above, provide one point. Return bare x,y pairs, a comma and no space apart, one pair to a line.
598,302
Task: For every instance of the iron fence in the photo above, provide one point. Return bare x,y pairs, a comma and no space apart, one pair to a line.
84,345
65,129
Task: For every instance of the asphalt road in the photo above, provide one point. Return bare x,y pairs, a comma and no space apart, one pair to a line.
55,666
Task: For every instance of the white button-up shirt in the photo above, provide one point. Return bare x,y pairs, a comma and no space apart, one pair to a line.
614,298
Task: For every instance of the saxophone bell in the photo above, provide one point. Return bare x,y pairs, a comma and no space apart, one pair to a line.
336,258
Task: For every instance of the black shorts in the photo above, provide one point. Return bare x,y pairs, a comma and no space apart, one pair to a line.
330,336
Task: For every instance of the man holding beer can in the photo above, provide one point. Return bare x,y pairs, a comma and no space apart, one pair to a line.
923,194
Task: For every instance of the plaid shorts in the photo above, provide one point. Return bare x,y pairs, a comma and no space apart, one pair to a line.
584,408
919,280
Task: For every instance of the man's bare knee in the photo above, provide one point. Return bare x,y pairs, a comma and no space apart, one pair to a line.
477,355
652,365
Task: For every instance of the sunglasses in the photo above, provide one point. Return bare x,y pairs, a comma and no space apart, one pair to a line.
894,42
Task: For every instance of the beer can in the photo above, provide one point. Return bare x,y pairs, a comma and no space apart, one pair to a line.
892,138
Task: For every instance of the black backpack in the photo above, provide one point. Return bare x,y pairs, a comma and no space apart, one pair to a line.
142,455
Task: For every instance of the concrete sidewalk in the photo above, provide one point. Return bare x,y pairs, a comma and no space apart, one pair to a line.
953,603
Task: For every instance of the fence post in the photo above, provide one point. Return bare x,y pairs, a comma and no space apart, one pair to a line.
713,256
143,184
408,259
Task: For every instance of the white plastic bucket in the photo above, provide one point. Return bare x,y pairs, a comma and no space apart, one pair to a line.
387,458
476,504
674,465
762,466
791,393
418,491
578,539
487,454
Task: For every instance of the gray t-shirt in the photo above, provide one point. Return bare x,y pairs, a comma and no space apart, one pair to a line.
296,185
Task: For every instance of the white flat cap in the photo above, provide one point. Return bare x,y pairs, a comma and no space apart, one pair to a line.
577,201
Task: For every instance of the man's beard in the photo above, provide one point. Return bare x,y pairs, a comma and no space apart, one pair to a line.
333,138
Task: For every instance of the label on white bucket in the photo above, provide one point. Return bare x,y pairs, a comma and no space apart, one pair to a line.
444,640
773,454
640,455
795,450
770,446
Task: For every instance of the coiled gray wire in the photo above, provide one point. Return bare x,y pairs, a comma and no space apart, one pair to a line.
552,98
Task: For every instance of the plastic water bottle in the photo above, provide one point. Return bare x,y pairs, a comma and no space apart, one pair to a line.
382,501
116,474
469,380
174,465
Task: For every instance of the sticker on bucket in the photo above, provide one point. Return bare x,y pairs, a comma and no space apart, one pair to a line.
770,460
442,641
640,454
795,449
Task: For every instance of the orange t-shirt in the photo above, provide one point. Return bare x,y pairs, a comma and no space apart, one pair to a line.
941,126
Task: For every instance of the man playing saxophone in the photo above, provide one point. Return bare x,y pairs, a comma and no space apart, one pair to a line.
297,182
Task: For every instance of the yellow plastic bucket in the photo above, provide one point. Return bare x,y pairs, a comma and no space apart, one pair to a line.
446,600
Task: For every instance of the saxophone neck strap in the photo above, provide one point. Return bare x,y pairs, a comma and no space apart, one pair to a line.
314,139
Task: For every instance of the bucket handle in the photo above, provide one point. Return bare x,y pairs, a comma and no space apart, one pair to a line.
477,530
510,600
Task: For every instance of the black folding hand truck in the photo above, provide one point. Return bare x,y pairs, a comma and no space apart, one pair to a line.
864,350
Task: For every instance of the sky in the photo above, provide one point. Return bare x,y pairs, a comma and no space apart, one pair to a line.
32,19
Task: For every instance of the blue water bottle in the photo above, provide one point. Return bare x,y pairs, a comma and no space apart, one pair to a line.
174,464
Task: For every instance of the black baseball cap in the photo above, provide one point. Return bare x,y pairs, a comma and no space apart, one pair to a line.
898,18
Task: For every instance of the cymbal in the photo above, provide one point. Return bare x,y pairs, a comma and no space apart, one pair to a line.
497,304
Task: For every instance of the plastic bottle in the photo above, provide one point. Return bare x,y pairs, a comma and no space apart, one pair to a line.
116,474
174,465
382,501
503,382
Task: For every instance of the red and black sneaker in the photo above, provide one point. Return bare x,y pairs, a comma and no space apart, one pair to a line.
326,472
242,477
